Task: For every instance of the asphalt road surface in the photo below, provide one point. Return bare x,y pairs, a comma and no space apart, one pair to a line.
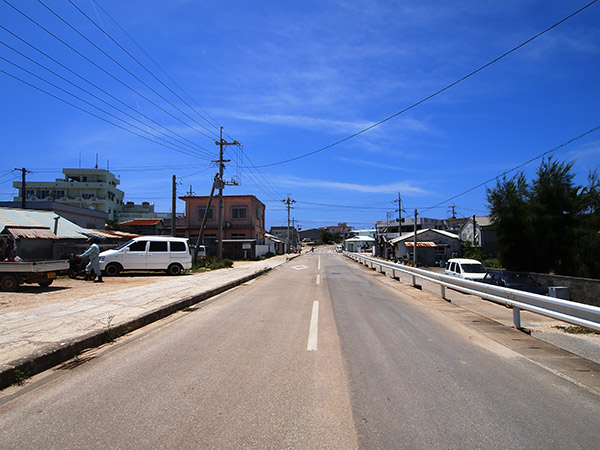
317,354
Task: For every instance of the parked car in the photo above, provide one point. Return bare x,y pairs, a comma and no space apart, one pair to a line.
468,269
338,248
513,280
167,253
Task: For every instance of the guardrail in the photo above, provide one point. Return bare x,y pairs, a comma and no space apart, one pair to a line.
576,313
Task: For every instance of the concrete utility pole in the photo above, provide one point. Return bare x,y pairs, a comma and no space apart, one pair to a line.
200,239
288,202
399,209
23,187
474,230
220,185
415,241
173,206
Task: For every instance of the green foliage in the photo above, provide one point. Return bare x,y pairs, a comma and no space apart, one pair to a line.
550,224
212,263
113,225
327,237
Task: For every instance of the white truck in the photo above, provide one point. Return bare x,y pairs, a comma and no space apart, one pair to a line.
13,274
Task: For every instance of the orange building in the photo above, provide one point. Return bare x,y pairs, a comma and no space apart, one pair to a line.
243,218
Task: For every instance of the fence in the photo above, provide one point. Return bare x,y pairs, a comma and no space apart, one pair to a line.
576,313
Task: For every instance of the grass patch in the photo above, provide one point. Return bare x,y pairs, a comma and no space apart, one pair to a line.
572,329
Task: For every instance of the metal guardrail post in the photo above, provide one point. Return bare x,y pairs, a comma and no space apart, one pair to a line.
517,317
443,291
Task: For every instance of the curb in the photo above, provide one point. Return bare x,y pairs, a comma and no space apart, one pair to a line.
21,369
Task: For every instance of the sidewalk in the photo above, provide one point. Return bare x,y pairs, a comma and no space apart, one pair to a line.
38,338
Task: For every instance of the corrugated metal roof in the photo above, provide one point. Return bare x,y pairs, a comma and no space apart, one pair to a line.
421,244
30,218
31,232
409,236
142,222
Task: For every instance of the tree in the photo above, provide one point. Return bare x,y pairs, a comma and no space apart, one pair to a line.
552,225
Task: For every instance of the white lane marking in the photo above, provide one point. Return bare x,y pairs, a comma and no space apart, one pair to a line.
313,333
300,267
319,264
318,278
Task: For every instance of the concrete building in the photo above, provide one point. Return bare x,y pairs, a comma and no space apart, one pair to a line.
243,223
93,189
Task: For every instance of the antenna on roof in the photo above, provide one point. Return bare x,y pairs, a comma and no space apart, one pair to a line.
95,167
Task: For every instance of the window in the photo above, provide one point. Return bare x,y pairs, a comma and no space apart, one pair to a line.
158,246
43,193
138,246
211,213
178,246
239,213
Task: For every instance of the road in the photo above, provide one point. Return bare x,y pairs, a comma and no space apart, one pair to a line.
320,353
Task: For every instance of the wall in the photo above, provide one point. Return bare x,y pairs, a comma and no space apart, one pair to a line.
582,290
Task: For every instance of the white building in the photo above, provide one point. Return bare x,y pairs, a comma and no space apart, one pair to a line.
94,189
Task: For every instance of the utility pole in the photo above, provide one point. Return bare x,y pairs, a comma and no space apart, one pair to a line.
220,185
173,206
474,230
288,202
200,239
399,208
415,241
23,187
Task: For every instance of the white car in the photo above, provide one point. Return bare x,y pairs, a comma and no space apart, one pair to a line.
148,253
468,269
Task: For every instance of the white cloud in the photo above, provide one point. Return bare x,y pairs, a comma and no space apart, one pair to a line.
390,188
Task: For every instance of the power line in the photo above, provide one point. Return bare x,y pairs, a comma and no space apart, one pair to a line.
139,63
97,98
214,122
124,68
207,152
92,114
435,94
558,147
182,149
104,70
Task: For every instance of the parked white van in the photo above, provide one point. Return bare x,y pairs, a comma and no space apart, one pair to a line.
148,253
469,269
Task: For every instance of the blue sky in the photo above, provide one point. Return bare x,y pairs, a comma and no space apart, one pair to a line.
287,79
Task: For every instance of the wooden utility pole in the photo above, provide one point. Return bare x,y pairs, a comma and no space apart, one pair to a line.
220,185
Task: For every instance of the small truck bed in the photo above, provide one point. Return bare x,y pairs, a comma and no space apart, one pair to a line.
15,273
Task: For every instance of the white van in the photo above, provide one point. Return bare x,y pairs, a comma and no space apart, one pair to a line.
148,253
468,269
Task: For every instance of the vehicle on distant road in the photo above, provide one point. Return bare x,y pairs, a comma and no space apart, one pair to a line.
167,253
338,248
513,280
468,269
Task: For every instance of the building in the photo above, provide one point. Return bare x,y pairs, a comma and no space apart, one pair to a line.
148,227
484,236
433,246
84,217
393,228
92,189
243,223
341,228
282,233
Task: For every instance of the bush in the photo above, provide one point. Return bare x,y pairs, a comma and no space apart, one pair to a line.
211,263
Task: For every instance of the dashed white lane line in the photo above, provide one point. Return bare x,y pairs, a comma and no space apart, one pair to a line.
319,264
313,333
318,278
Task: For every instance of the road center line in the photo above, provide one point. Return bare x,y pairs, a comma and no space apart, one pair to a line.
319,264
318,278
313,333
